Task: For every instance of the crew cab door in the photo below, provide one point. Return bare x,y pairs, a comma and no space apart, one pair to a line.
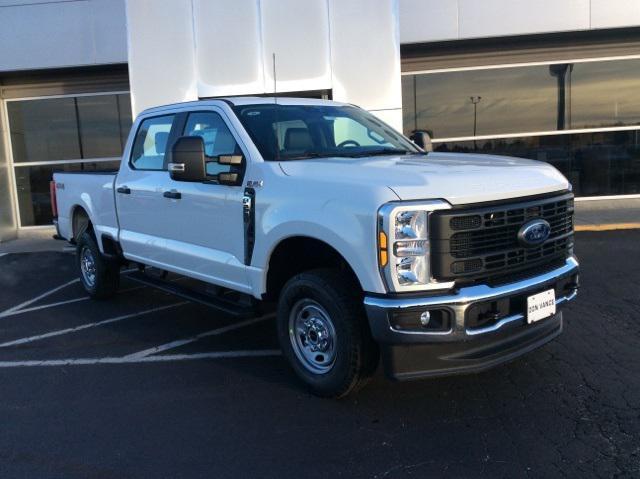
206,237
139,185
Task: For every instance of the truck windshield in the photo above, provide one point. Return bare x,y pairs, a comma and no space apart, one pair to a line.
298,132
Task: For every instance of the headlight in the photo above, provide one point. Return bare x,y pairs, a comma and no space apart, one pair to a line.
403,243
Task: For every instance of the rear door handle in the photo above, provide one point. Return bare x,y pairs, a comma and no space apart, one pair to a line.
125,190
174,195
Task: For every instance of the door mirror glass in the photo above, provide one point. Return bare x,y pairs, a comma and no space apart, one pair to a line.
226,175
188,162
422,139
230,160
231,179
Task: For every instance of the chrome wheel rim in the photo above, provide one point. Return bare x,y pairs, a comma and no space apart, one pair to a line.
88,267
312,336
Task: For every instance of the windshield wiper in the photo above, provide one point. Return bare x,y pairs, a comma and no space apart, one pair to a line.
384,151
304,156
346,154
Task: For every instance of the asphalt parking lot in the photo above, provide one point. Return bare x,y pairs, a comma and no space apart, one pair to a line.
148,386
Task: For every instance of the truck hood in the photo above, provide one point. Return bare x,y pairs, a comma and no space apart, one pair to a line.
457,178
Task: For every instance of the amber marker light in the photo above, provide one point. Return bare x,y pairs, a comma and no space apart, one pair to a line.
382,245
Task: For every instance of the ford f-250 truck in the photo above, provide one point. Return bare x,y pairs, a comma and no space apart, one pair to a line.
438,263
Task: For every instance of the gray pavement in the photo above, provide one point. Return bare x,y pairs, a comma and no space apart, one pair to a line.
146,386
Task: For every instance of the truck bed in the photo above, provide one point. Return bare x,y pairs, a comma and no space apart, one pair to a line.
91,191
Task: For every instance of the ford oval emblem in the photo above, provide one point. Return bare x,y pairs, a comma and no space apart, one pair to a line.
534,233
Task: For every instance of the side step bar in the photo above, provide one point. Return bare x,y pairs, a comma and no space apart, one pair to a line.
224,305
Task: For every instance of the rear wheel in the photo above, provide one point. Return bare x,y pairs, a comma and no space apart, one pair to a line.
324,334
99,276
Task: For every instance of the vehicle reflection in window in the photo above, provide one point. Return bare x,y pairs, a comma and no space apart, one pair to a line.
601,163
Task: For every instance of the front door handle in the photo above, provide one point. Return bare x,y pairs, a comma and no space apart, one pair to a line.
125,190
174,195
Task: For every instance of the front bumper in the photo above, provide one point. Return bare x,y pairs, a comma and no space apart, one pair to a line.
467,346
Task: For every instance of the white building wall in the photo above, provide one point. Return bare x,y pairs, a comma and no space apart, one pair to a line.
365,49
615,13
183,50
439,20
162,65
55,34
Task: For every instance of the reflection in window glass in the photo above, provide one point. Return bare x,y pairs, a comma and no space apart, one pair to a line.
151,143
218,140
602,163
32,184
44,130
103,125
604,94
409,119
523,99
72,128
510,100
310,131
349,133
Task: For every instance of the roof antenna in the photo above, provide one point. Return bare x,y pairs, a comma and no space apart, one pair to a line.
275,99
275,102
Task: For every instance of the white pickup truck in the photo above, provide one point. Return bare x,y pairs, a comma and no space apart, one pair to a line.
438,263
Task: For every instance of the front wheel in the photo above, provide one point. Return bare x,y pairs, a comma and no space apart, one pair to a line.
324,334
99,276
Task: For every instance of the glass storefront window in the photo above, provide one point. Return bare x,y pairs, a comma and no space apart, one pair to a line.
47,130
602,163
44,130
523,99
510,100
474,104
32,184
70,128
104,122
604,94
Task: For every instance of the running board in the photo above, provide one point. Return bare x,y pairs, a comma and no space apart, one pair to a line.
224,305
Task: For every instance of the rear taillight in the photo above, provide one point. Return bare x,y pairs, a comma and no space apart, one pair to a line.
54,199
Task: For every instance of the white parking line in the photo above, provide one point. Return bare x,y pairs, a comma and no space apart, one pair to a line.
7,312
3,254
61,303
182,342
147,359
60,332
20,307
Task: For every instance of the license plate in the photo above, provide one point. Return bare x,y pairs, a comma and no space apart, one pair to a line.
541,305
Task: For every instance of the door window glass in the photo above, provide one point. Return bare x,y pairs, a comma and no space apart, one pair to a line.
150,144
217,137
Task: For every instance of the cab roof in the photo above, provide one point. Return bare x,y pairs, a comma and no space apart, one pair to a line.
245,100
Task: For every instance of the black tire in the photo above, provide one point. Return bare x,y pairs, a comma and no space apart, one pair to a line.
356,354
106,273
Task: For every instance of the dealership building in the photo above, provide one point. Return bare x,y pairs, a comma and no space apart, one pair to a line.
552,80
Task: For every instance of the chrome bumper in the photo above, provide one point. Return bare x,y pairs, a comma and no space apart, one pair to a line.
411,354
379,308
